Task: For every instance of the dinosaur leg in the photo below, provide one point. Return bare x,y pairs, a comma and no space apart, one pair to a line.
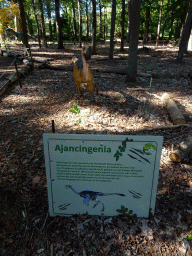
77,77
90,85
103,207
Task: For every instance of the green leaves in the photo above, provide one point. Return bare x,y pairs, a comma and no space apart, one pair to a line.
123,211
75,109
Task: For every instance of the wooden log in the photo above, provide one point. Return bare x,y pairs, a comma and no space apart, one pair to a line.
182,151
18,75
13,78
48,66
173,110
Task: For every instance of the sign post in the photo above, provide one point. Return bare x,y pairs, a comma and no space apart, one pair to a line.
101,174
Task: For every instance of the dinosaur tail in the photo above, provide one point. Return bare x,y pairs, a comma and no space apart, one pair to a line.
120,194
109,194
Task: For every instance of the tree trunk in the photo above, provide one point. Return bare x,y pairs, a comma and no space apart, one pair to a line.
37,23
128,20
23,24
100,17
159,23
134,37
146,31
58,26
74,22
87,20
184,38
42,23
187,39
29,26
49,18
171,25
113,18
79,20
105,18
122,24
183,19
94,28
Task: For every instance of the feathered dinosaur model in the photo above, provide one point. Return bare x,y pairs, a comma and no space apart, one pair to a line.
19,35
82,72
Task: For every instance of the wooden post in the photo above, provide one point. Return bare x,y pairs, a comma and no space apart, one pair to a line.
53,126
18,75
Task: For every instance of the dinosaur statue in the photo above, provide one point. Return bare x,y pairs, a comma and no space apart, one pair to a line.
19,35
93,196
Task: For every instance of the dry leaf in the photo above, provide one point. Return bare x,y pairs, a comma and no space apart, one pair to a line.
36,179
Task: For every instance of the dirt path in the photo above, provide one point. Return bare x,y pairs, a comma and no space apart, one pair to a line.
25,114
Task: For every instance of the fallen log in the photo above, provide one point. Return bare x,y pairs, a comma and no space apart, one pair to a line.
45,65
183,149
49,66
10,80
173,110
41,60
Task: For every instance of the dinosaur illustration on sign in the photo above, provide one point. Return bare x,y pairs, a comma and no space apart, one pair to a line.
89,195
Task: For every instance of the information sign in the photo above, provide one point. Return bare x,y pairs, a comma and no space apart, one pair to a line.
101,174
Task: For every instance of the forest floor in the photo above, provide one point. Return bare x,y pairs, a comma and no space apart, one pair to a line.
26,113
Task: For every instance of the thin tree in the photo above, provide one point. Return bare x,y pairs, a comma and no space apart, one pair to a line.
74,21
58,25
79,20
87,19
128,20
105,18
23,24
185,35
133,41
42,23
49,18
94,28
122,24
159,23
113,18
146,30
100,18
37,23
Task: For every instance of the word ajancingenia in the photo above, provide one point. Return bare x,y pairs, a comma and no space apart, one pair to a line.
89,150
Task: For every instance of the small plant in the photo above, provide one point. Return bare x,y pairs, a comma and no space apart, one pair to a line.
15,140
189,238
7,47
123,211
89,247
76,110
